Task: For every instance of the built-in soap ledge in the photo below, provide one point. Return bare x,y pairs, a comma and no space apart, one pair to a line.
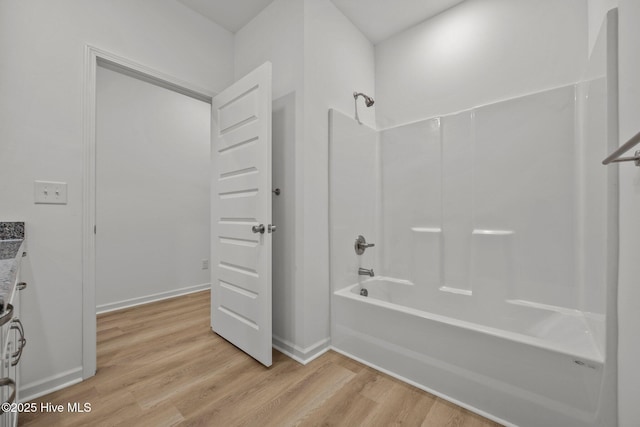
492,232
426,229
457,291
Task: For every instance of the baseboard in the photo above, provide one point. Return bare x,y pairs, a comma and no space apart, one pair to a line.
119,305
299,354
49,385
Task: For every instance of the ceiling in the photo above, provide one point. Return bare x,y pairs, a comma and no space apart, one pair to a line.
230,14
376,19
380,19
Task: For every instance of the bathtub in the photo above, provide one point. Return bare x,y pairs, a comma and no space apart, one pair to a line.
532,365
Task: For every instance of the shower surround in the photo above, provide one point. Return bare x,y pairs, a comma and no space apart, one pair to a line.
492,252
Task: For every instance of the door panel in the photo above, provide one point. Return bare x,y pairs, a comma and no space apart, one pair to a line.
243,279
240,208
240,181
241,199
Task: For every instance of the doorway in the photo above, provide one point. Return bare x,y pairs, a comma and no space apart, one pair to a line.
95,57
152,191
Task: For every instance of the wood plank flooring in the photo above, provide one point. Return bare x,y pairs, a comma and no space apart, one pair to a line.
160,365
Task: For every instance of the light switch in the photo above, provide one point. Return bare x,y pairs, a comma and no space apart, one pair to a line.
53,193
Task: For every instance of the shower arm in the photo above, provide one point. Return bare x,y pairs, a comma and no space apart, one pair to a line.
355,104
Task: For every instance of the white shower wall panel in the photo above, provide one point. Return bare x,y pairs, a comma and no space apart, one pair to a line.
457,198
483,202
525,181
594,197
353,157
411,194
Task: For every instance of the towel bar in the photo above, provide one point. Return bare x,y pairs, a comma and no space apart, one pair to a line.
615,156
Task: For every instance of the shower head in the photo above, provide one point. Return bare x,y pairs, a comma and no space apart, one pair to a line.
367,99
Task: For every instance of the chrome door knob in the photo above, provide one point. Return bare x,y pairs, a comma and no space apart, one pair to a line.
258,229
271,228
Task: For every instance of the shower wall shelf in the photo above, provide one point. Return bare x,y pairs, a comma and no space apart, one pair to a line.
615,156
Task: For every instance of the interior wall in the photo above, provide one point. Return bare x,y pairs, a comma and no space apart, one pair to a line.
305,40
152,191
277,35
338,60
461,58
42,45
283,213
629,267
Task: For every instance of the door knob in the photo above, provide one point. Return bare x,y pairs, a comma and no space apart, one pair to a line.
271,228
258,229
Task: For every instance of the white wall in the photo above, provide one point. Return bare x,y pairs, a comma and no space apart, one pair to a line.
629,273
152,191
277,35
338,60
319,59
42,53
285,311
461,58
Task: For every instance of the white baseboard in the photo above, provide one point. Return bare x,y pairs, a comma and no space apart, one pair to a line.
119,305
299,354
49,385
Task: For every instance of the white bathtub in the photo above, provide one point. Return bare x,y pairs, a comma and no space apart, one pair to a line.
531,365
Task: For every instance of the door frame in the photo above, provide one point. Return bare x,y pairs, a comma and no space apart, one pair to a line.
93,57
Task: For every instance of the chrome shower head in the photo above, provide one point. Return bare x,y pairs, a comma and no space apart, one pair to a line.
367,99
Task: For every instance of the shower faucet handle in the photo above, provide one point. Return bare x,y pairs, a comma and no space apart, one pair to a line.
361,245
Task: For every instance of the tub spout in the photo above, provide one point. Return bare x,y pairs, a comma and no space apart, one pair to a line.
365,272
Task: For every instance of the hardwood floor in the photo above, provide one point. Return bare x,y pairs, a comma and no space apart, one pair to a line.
160,365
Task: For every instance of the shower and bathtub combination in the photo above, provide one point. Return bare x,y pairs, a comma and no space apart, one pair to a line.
493,235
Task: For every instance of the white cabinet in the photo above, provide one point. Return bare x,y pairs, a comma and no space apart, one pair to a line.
12,342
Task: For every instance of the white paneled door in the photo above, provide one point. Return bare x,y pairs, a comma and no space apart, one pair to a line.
241,214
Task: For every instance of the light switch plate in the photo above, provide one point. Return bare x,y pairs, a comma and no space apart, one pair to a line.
53,193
